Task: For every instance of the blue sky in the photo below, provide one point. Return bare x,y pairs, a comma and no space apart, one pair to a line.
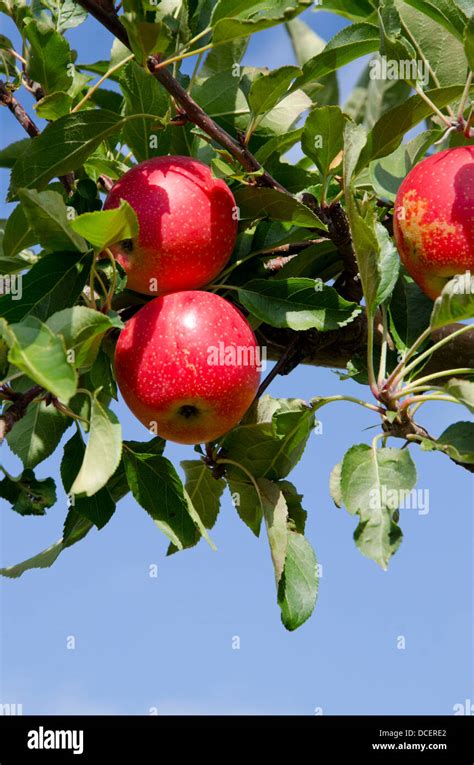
166,642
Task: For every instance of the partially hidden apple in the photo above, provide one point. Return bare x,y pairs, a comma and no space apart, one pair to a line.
188,225
434,219
188,366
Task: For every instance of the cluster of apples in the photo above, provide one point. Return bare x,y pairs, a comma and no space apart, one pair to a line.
167,368
164,359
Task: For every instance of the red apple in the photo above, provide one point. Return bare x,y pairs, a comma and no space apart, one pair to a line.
187,365
434,219
188,225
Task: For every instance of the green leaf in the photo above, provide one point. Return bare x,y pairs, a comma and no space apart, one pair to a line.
145,37
47,216
204,490
367,251
232,19
18,233
35,350
469,43
222,58
457,441
307,44
52,284
37,434
103,450
245,498
54,106
462,390
444,12
355,139
82,329
355,10
157,488
75,528
48,57
10,154
27,495
256,203
62,147
322,138
410,312
297,304
69,15
437,45
278,145
349,44
100,507
373,485
106,227
268,89
143,95
390,129
456,302
272,437
298,588
275,512
387,174
388,264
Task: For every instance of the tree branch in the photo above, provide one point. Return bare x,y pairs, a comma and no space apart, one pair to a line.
8,99
193,111
335,348
18,408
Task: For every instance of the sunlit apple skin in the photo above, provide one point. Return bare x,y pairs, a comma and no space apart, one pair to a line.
434,219
166,368
188,225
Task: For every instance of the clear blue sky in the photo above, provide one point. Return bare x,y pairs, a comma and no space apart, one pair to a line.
166,642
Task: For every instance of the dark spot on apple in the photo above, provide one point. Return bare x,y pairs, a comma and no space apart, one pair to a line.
127,245
188,410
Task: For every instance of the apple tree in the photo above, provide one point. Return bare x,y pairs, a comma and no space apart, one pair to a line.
315,270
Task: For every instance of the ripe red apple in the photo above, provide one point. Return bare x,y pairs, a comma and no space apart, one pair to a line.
434,219
188,225
187,365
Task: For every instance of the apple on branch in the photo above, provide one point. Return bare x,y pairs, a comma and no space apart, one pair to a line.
434,219
188,366
188,225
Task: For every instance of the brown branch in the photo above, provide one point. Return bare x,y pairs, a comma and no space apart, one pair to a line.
192,110
405,426
199,117
8,99
18,408
334,216
336,348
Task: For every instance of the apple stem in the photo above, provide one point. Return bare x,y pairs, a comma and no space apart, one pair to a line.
390,382
428,378
435,347
351,399
384,348
370,355
432,106
464,98
424,399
